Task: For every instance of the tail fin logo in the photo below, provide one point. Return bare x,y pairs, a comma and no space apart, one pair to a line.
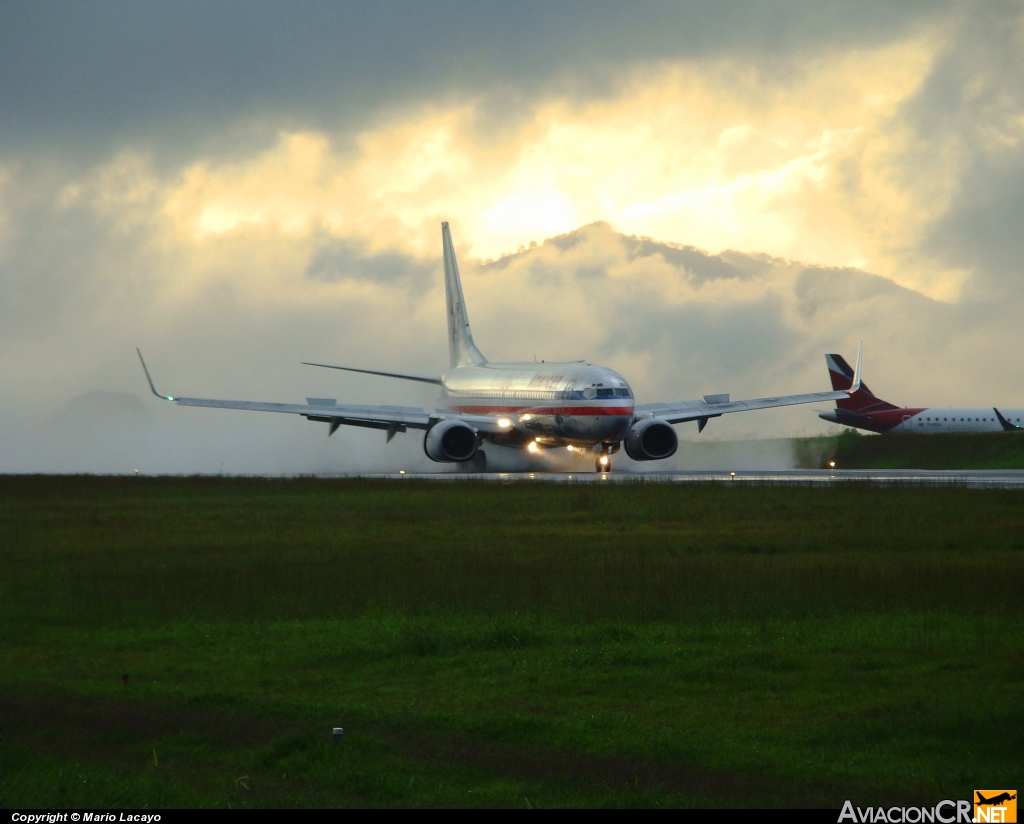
840,372
863,400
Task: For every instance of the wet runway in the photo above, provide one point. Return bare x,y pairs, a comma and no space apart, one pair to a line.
997,478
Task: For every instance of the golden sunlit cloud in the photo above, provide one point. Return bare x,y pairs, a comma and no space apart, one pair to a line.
814,164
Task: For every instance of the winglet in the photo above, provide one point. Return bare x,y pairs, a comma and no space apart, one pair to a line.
1007,425
148,378
855,388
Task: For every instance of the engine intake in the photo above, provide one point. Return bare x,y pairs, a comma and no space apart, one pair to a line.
651,440
450,442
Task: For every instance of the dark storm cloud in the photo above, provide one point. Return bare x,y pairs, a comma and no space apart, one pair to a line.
75,73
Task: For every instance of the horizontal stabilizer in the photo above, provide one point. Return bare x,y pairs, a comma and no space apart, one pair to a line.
419,378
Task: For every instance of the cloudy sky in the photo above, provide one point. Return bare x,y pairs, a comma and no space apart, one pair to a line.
705,196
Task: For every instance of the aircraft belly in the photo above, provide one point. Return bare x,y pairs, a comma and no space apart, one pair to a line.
595,428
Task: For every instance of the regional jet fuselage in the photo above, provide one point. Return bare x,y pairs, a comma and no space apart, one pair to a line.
533,406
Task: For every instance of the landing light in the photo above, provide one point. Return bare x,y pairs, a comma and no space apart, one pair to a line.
533,447
401,471
504,423
832,464
603,460
526,417
570,447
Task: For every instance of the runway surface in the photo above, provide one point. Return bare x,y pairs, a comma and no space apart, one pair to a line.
994,478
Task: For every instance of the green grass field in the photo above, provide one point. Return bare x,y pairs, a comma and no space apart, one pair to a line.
489,644
967,450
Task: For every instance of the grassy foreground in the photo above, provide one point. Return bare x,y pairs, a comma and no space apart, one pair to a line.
950,450
488,644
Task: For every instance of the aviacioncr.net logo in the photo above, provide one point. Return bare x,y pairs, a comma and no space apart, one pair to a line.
945,812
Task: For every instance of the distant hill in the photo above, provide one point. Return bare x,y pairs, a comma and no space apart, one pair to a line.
969,450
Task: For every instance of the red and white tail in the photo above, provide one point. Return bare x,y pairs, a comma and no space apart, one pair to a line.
863,399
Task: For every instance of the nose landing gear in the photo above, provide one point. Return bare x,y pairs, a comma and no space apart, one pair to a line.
604,463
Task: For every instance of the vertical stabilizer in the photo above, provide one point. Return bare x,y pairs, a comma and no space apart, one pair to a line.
460,339
863,399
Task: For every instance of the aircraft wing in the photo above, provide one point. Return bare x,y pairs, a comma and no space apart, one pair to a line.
328,410
714,406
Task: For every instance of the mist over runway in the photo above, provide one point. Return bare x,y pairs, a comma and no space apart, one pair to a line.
992,479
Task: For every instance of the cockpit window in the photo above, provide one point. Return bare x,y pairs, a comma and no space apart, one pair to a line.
606,393
622,393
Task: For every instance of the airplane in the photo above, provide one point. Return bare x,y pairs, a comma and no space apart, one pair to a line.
575,405
996,800
862,410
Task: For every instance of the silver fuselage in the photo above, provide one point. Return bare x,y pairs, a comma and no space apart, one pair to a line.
555,404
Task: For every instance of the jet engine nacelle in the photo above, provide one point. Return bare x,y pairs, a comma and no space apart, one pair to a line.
450,442
651,440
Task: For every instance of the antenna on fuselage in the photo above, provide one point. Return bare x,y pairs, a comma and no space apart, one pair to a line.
460,339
